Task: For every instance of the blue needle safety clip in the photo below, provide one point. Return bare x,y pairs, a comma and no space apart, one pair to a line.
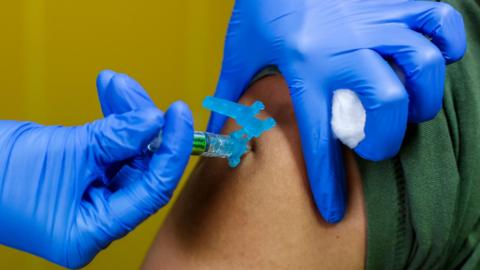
234,145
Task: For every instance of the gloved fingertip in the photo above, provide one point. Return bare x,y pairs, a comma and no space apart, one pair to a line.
330,195
129,81
180,107
368,151
457,53
426,115
334,217
119,81
104,78
179,110
458,47
332,209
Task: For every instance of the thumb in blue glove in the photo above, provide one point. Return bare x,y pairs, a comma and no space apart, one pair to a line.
56,198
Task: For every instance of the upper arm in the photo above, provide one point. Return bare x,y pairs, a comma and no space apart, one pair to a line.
261,214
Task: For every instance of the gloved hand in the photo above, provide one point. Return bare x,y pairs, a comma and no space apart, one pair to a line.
67,192
322,46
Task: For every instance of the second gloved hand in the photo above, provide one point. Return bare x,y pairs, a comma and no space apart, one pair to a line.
322,46
68,192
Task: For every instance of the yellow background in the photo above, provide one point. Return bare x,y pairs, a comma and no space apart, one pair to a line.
51,52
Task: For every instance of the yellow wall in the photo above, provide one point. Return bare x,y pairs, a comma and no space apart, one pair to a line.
51,52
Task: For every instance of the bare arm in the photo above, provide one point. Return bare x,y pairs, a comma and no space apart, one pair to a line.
260,215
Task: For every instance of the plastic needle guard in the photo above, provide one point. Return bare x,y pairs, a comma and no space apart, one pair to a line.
245,116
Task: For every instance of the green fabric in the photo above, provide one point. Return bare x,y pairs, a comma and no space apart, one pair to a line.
423,206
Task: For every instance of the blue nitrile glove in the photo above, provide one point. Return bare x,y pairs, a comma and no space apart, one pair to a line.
322,46
67,192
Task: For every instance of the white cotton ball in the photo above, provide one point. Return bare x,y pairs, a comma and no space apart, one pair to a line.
348,117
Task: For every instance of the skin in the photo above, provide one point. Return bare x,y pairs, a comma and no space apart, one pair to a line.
260,215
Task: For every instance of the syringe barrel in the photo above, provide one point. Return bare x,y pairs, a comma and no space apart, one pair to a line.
212,145
204,144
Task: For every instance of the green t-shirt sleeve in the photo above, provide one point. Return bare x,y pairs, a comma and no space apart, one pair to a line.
423,206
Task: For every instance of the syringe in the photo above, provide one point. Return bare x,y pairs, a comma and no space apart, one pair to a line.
234,145
208,145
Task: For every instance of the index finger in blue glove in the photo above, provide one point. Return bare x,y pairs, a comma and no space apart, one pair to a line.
438,21
322,152
118,93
